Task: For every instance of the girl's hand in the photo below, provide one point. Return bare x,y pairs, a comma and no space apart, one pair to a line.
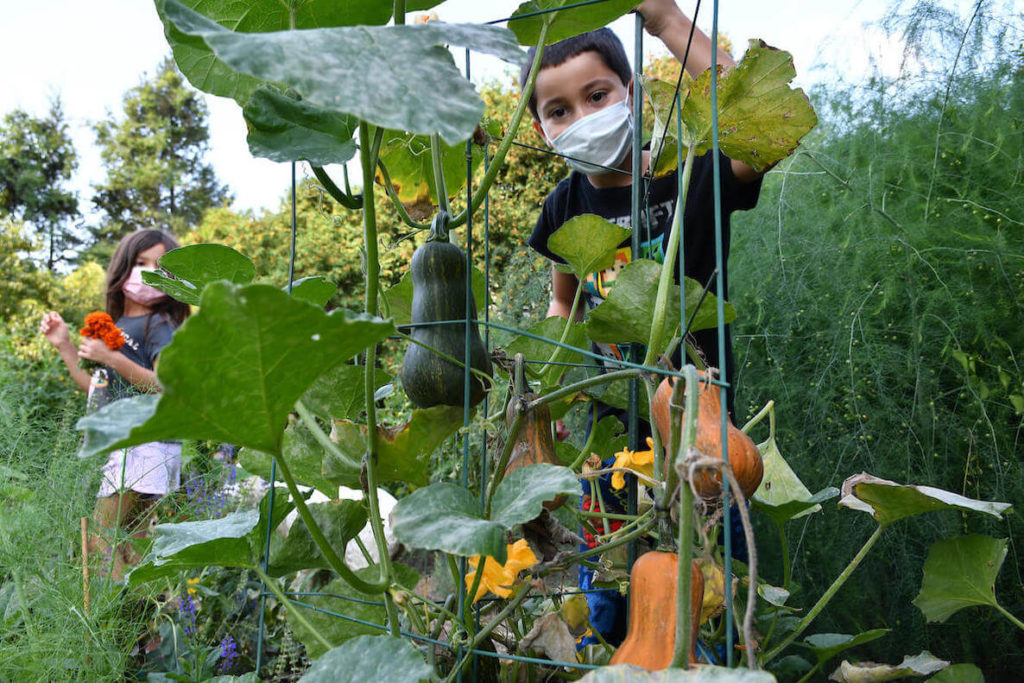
95,350
55,329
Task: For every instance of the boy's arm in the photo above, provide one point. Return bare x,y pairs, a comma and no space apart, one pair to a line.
563,291
664,20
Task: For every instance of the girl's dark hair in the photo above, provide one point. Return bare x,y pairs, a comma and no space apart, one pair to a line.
121,264
603,41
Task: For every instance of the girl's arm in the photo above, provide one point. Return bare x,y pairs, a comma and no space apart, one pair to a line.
140,377
56,332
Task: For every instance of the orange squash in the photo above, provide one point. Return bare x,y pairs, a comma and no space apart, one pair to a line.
651,637
744,457
534,443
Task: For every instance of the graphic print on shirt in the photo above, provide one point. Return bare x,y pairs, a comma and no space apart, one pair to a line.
597,285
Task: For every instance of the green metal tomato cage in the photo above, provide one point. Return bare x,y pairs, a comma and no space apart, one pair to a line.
639,207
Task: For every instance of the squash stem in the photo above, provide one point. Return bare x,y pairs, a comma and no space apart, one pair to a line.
825,598
369,151
521,594
497,162
559,351
681,656
389,189
654,343
769,409
603,548
574,388
332,557
506,454
440,188
584,452
349,201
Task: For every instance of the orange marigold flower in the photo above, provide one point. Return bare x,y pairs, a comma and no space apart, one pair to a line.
99,325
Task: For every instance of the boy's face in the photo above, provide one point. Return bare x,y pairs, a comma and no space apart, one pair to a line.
577,87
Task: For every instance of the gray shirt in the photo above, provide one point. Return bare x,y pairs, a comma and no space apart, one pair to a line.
141,346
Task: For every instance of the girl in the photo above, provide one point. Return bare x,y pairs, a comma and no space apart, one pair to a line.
133,479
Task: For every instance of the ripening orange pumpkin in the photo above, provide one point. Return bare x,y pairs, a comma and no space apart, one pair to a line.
744,458
534,443
651,637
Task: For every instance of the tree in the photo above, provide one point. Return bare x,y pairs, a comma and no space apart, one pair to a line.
37,159
157,176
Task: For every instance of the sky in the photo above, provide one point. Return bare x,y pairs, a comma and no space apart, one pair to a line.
91,53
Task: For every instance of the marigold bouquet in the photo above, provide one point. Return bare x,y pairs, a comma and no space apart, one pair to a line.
99,325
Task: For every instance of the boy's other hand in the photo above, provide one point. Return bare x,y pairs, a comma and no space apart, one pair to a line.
659,15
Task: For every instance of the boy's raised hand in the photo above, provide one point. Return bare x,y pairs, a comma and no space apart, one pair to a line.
659,14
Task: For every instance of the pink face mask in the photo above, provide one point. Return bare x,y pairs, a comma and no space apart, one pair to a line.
139,292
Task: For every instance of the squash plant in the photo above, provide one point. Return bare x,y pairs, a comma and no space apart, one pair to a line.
270,371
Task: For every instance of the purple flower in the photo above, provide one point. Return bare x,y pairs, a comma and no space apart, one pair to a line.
188,609
228,654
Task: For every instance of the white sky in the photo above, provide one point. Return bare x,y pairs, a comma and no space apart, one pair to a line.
91,53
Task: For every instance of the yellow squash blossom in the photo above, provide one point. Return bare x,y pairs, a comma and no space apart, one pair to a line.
639,461
499,578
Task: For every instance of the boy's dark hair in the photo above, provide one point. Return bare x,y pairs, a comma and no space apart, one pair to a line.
603,41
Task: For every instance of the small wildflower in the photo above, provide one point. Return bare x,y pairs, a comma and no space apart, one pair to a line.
189,609
191,586
638,461
499,578
228,654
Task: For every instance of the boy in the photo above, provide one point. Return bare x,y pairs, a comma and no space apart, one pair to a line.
581,106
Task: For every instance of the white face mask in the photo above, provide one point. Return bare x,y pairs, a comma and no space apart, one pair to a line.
604,137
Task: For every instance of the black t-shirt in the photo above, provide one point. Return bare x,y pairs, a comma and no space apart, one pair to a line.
575,195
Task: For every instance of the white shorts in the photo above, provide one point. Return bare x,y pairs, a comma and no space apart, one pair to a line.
153,468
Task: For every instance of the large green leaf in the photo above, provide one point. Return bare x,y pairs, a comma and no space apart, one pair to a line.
627,312
235,369
340,522
370,658
889,502
781,495
588,243
397,77
315,289
450,518
538,351
340,393
960,572
760,117
565,23
403,451
521,494
282,128
196,266
205,71
235,540
411,166
827,645
337,607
